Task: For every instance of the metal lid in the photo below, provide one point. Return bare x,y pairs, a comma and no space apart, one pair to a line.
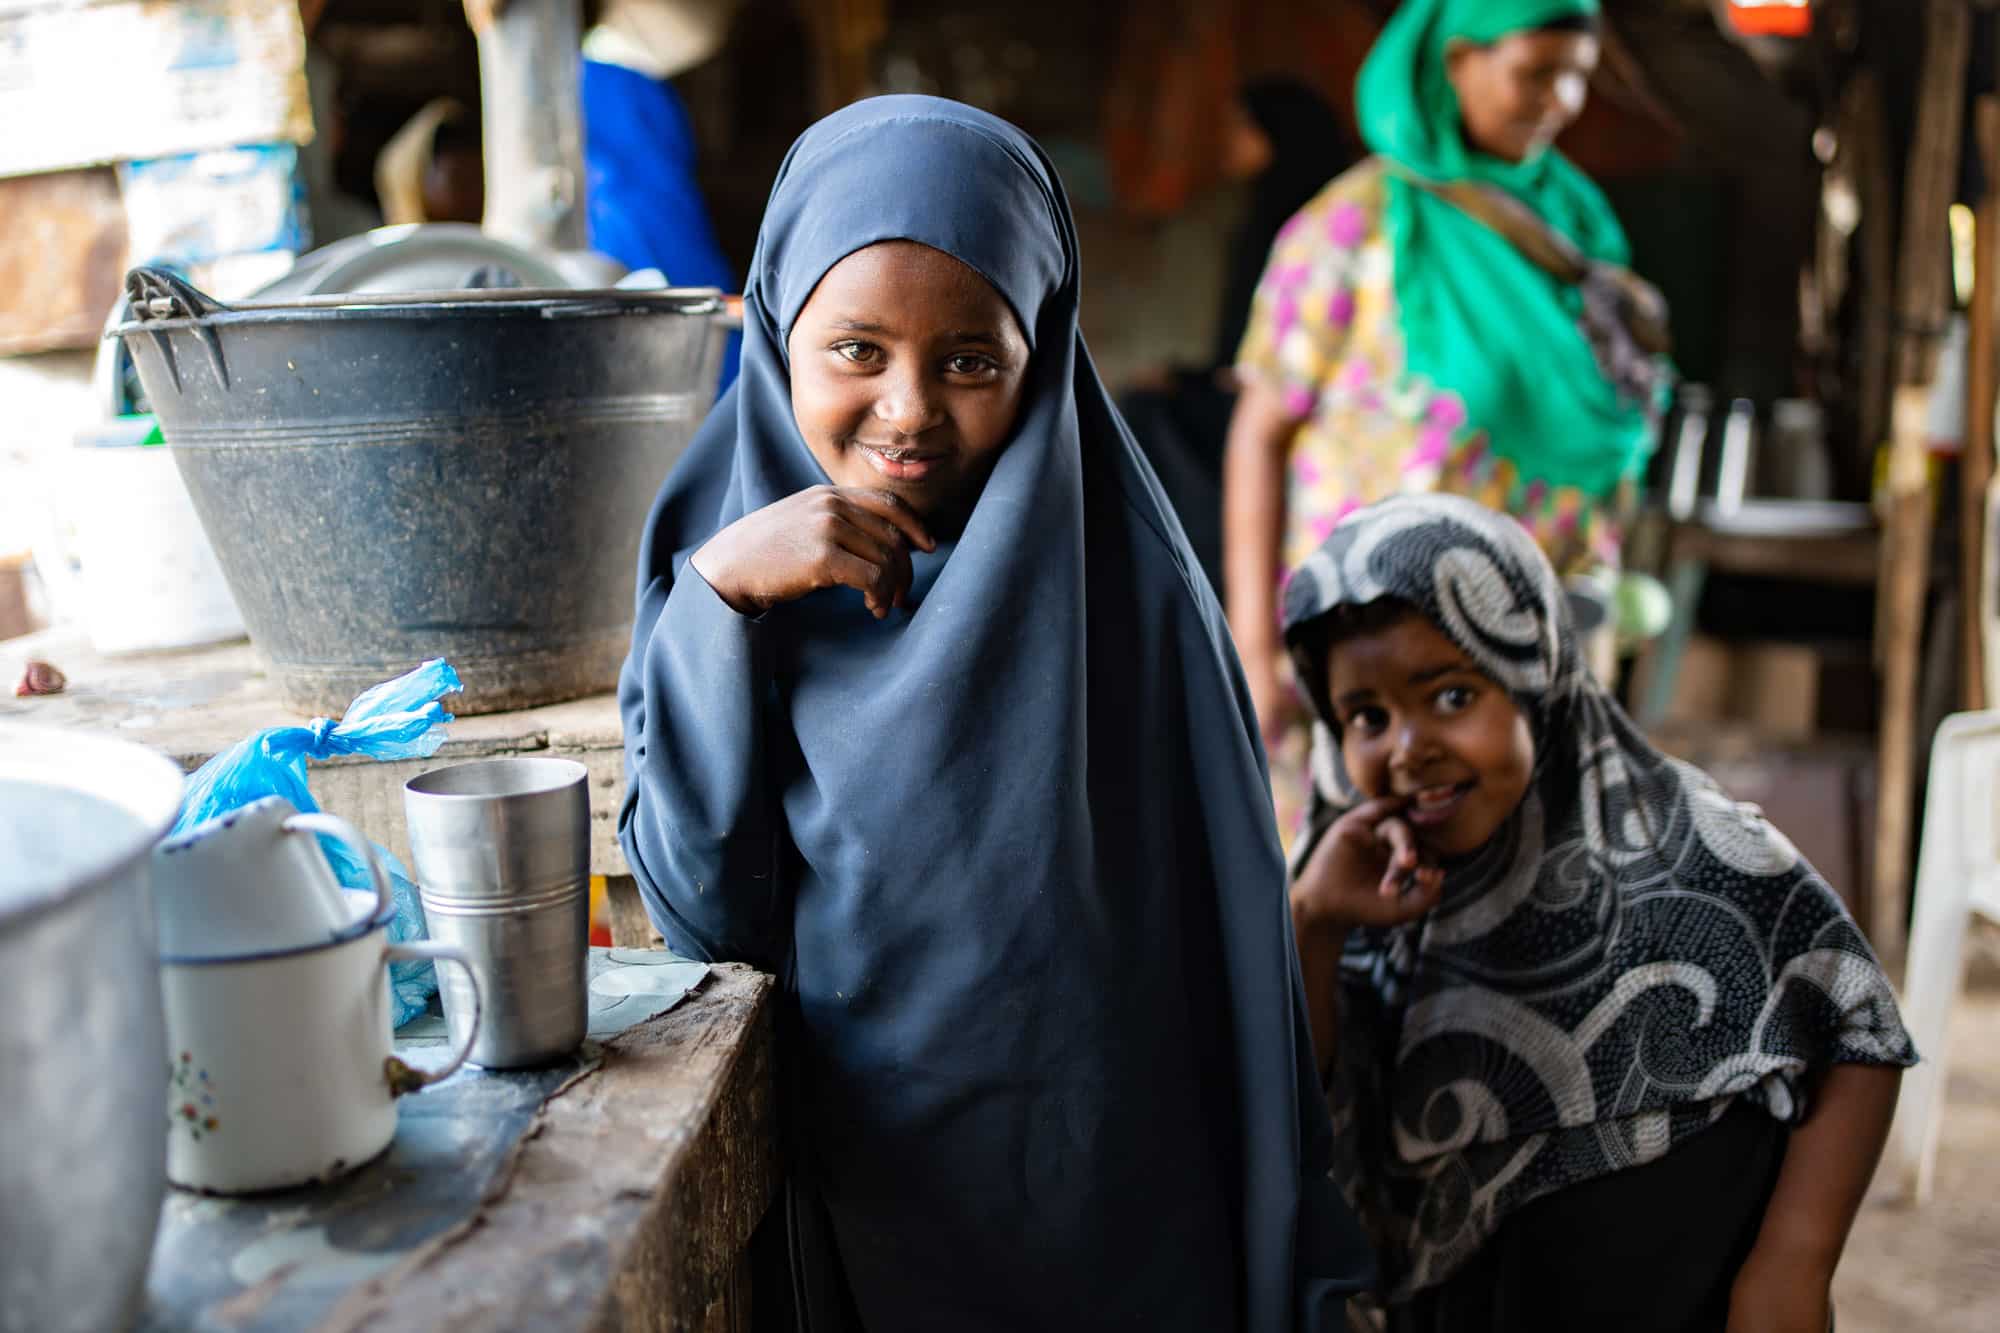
161,301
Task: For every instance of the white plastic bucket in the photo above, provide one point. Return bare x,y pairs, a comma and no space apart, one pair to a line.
147,578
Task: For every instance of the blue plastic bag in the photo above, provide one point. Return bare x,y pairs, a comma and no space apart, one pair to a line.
398,719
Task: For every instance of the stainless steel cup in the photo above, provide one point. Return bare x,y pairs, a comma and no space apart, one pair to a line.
502,852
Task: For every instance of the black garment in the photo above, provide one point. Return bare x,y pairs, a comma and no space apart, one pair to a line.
1651,1249
1181,429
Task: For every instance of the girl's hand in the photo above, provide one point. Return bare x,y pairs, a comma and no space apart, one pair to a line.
829,536
1773,1294
1366,872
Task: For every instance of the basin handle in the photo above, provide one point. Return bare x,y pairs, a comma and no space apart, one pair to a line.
156,296
157,293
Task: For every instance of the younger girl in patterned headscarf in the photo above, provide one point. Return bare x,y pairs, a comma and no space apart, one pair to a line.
1603,1052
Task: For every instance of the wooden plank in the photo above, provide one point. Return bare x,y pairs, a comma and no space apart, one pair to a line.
618,1189
1923,302
1924,292
844,34
1852,559
1899,619
62,259
1976,459
630,1205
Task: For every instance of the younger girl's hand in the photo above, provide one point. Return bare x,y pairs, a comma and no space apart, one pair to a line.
1366,872
825,537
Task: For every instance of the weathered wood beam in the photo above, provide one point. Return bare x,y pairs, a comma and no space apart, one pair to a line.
1923,302
844,35
1899,623
1982,382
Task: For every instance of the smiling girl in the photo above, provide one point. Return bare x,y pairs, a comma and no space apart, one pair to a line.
930,713
1602,1051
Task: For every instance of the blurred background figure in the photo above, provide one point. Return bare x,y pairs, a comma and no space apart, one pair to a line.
646,211
1416,327
1284,141
644,204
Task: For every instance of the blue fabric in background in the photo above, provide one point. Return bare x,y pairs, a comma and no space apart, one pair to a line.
642,203
1010,851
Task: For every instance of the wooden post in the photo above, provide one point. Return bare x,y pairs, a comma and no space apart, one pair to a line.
1924,295
1923,302
1899,624
845,34
1975,471
531,120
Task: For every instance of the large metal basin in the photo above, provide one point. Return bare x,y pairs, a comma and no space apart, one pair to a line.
388,478
83,1058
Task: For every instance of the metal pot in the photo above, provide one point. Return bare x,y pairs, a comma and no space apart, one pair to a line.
388,478
83,1057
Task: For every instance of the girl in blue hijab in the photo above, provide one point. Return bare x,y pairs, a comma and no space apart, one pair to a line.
930,712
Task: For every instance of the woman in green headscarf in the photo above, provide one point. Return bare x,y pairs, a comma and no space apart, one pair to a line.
1451,315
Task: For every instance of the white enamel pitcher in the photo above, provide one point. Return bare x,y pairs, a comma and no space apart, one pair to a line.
280,1061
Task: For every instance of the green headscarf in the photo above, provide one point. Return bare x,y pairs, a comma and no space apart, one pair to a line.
1477,316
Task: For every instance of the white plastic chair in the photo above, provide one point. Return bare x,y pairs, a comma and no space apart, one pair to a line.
1958,874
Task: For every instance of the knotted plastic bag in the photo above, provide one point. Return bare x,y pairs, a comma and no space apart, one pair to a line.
398,719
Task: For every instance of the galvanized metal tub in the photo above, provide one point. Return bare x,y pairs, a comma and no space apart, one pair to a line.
388,478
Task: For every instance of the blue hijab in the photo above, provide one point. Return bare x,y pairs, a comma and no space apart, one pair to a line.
1010,851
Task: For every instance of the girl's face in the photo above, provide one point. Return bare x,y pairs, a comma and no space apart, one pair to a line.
1418,720
1517,94
907,369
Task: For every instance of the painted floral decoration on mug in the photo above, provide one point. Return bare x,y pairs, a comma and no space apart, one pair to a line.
191,1098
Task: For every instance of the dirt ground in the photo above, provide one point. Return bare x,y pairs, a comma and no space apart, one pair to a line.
1936,1269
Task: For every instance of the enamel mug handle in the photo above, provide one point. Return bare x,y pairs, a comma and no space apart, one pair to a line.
337,828
402,1078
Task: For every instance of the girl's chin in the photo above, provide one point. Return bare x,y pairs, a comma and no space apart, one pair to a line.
939,497
1454,844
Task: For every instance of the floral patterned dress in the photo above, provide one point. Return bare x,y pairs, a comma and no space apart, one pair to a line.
1324,332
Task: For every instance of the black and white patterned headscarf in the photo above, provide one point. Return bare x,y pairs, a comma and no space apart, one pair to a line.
1629,955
